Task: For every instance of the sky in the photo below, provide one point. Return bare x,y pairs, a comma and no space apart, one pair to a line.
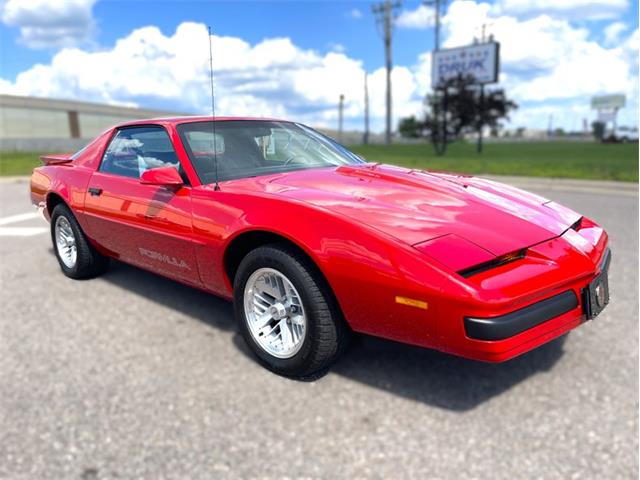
293,59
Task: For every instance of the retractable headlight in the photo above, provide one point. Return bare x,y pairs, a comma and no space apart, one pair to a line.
455,252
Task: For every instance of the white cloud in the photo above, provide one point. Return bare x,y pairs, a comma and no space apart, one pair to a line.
548,66
337,47
570,117
271,78
354,13
420,18
531,47
567,9
613,32
545,60
45,23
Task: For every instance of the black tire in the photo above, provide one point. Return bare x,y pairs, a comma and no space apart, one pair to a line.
89,262
327,333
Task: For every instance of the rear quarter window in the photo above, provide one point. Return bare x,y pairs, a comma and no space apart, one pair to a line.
133,150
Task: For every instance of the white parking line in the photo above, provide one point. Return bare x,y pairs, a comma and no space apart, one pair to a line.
21,217
20,231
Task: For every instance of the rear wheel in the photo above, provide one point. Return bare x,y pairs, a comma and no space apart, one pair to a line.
287,313
77,258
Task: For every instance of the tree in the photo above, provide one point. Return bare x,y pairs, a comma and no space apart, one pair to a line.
410,127
493,106
459,105
451,110
598,130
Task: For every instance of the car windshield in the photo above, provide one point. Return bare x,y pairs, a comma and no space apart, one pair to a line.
249,148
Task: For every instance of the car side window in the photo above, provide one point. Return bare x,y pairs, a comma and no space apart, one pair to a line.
136,149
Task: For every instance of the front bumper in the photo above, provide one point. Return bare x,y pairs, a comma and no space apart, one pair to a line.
511,324
502,337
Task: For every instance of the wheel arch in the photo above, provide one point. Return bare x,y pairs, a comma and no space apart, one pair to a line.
249,240
54,199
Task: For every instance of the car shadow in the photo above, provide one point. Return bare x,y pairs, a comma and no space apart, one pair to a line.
202,306
440,379
423,375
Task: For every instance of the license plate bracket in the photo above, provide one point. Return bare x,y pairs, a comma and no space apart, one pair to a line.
595,297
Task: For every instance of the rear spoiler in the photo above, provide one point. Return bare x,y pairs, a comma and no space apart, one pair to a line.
56,159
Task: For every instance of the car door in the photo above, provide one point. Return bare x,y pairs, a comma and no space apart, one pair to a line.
146,225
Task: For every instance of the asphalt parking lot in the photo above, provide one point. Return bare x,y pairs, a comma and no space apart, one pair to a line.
134,376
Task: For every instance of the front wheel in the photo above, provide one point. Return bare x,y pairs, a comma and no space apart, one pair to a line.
287,313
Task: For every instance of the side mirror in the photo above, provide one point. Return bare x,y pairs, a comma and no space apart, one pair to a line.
162,176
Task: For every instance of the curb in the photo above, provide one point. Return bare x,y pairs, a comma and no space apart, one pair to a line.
15,179
608,187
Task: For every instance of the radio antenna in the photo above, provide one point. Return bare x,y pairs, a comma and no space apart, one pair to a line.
213,115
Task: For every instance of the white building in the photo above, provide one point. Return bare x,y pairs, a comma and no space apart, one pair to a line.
40,124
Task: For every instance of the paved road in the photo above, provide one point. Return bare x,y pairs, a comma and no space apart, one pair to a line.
134,376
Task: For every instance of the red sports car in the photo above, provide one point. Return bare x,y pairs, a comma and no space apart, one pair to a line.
311,242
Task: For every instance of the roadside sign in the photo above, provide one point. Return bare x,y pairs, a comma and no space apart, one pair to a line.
481,61
608,102
607,116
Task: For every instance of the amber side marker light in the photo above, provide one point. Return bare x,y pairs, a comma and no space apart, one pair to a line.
412,302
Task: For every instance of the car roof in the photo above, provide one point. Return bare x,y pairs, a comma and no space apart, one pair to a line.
193,119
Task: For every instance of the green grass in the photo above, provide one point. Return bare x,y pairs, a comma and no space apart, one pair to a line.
18,163
536,159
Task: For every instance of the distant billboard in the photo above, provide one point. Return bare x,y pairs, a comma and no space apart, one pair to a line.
607,116
608,102
481,61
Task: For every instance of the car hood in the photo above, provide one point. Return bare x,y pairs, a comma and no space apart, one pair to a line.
415,206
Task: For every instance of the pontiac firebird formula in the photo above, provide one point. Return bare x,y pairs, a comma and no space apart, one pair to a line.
311,242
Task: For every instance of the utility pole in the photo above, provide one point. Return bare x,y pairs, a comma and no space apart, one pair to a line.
437,7
440,144
437,29
340,110
480,120
385,14
481,113
365,138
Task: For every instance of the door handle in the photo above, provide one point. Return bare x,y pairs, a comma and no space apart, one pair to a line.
155,218
95,192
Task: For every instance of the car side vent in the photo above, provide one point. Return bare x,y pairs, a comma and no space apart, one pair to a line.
496,262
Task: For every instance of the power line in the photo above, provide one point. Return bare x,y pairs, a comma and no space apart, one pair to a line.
385,13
